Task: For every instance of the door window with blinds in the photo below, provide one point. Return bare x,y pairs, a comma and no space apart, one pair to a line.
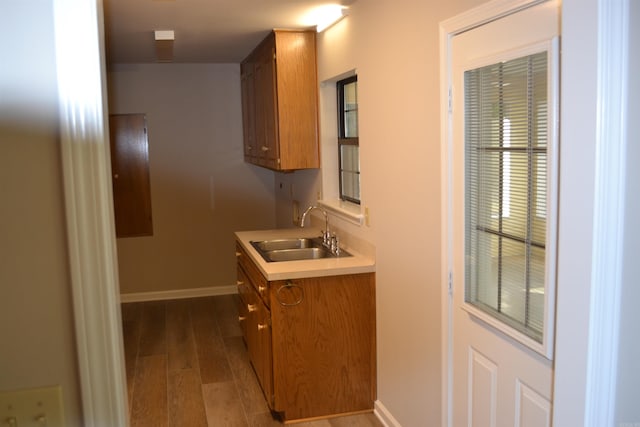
508,187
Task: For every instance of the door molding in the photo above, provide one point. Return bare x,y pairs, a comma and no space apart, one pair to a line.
609,210
89,212
449,28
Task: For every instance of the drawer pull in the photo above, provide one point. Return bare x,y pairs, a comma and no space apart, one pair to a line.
239,282
251,308
262,326
262,289
238,254
241,318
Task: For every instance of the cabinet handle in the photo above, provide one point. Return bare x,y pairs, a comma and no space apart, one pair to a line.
262,326
262,288
239,282
241,318
251,308
265,148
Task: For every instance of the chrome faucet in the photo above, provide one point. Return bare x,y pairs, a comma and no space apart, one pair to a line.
330,241
325,233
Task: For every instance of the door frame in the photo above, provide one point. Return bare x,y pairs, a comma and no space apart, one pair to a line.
86,168
585,352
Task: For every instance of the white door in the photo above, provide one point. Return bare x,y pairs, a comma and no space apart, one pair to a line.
503,219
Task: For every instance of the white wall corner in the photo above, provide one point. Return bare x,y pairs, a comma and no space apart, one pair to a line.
383,414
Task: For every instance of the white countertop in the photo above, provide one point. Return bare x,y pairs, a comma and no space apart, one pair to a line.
357,263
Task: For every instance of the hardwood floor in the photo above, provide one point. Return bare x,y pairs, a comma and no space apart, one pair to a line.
187,366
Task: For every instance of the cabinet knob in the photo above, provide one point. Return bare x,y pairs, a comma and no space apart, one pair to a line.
251,308
238,254
241,318
115,176
262,326
239,282
265,148
262,288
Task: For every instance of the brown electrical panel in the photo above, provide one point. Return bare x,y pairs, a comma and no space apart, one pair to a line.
130,175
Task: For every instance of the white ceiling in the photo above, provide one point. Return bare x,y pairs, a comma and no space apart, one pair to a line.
215,31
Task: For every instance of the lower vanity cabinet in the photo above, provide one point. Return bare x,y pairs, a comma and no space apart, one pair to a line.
313,348
255,322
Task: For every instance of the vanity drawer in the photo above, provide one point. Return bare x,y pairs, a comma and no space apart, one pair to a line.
257,280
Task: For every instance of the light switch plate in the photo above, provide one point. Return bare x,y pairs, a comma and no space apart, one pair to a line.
41,407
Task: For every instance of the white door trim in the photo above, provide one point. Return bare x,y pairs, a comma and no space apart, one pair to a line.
448,29
609,207
89,212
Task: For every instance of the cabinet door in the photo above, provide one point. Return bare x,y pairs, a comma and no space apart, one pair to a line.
249,111
244,289
297,99
258,338
266,101
130,172
263,361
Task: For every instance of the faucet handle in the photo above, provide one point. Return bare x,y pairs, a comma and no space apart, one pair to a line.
335,244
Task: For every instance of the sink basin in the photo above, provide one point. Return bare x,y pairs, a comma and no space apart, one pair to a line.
296,254
294,249
279,244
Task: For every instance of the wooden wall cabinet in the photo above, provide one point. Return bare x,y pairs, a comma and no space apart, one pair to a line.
311,341
130,175
280,102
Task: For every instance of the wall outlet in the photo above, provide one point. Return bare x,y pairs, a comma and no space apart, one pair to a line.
40,407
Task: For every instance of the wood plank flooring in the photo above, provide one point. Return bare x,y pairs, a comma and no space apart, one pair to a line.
187,366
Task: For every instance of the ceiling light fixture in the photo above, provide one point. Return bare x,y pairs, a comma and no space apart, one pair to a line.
164,45
325,16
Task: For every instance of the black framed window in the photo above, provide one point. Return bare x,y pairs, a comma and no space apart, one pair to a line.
348,144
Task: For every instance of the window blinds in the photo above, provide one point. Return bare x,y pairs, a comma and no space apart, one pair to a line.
505,190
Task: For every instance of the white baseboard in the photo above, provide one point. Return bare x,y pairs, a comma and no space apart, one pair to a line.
383,414
178,294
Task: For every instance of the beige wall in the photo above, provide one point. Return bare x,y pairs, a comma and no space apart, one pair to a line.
201,189
394,47
36,315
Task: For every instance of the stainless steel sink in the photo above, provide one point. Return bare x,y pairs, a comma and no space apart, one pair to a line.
279,244
294,249
296,254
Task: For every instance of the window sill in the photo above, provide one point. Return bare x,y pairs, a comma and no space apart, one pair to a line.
345,210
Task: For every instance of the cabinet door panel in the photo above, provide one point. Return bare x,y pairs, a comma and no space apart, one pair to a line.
249,111
266,113
297,99
244,288
263,363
